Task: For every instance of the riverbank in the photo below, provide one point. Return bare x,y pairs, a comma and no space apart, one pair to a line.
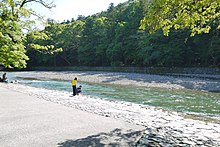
27,121
144,70
165,128
204,82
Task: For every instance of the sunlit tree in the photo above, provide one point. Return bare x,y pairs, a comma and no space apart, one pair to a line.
14,20
196,15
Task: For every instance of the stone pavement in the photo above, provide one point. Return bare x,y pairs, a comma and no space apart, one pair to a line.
28,121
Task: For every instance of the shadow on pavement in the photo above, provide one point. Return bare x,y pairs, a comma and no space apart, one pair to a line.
114,138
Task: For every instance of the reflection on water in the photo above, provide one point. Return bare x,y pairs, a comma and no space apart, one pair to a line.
183,100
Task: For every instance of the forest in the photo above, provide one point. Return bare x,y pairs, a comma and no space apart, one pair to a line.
114,38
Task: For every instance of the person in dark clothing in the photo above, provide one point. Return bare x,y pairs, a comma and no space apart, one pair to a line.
78,90
4,78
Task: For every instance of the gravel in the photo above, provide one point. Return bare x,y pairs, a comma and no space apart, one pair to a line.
163,128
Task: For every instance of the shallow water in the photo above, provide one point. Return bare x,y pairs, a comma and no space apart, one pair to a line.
190,101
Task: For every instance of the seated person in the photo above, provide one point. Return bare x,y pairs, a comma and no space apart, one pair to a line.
78,90
4,78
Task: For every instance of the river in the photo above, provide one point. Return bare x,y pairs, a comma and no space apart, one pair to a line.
180,100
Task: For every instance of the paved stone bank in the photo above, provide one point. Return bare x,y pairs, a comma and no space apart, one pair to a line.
163,128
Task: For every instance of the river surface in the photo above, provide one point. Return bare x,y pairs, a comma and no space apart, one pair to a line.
181,100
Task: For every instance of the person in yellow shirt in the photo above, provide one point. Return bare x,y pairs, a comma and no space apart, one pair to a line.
74,86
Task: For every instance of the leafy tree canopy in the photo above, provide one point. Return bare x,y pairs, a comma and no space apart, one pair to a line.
195,15
14,18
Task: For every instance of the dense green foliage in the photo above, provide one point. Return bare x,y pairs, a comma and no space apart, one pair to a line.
14,19
113,38
12,52
196,15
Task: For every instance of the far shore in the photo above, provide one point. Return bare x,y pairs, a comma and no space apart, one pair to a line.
203,82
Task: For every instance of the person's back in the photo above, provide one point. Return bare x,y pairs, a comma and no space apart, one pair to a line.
4,78
74,85
74,82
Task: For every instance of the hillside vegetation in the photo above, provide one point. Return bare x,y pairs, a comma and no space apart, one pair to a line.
120,37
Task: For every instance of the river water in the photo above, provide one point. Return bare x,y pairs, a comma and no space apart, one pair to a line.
181,100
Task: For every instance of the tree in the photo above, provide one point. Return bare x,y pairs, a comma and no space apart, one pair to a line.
12,38
70,42
195,15
113,38
47,41
91,50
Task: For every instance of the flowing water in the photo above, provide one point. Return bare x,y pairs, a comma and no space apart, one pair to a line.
190,101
